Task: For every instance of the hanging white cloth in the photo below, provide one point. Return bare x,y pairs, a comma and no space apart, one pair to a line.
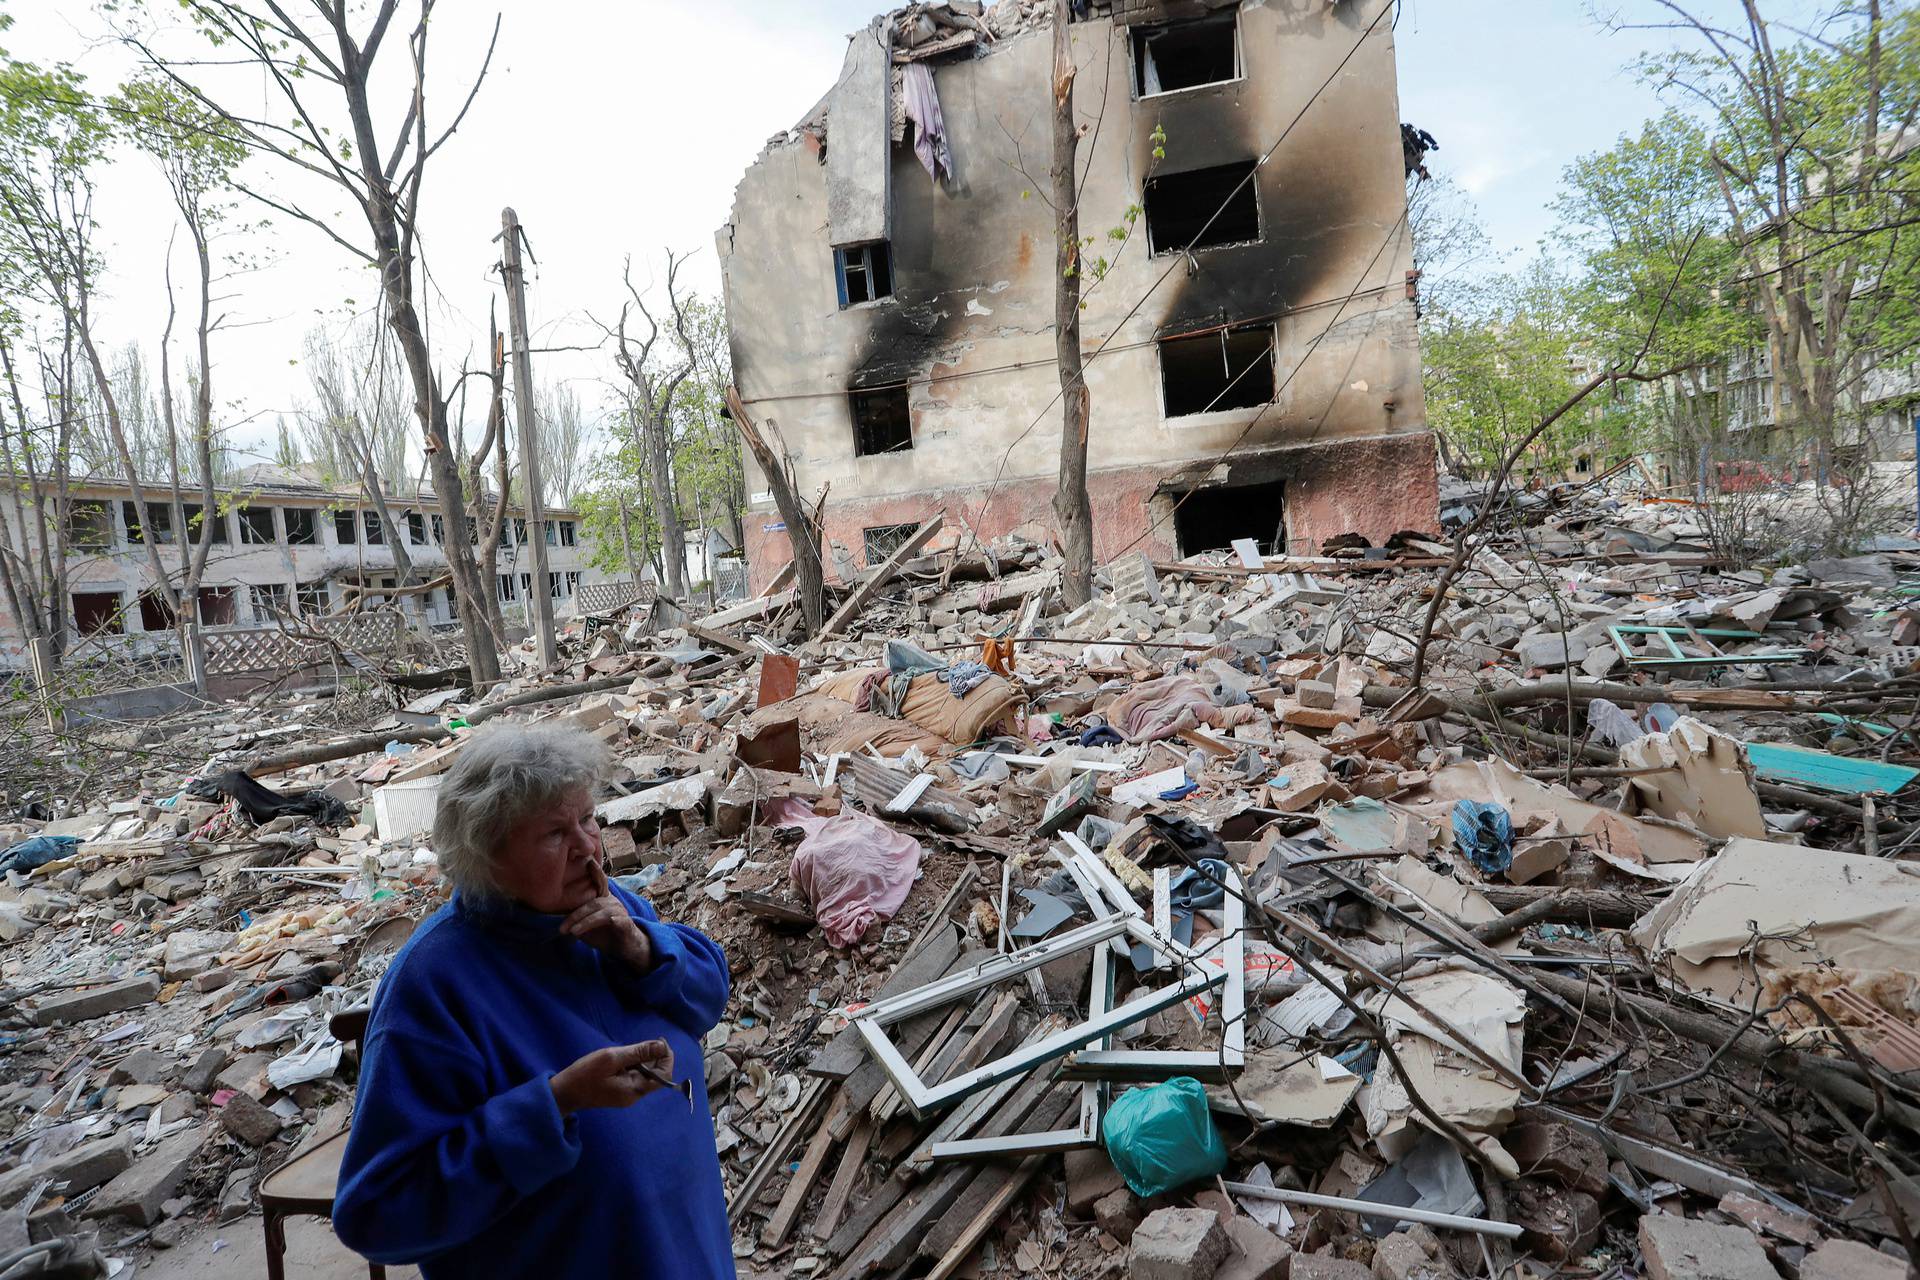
929,127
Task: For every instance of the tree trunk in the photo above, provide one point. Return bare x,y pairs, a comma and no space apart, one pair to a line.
801,535
396,284
1071,505
653,431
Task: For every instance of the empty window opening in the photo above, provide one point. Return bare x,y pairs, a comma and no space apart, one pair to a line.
97,611
509,588
1202,207
299,527
1186,54
883,540
156,614
256,525
346,527
1227,369
216,607
520,531
439,527
89,526
864,273
136,532
217,520
1210,519
376,534
881,423
569,536
416,528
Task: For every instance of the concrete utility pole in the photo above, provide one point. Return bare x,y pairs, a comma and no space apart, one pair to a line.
541,606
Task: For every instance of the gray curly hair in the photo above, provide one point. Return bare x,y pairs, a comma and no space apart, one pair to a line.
503,775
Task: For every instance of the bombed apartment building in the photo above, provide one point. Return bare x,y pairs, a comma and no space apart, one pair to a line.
1252,350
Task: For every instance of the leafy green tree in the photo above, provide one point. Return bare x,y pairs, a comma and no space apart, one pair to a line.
1647,221
1809,145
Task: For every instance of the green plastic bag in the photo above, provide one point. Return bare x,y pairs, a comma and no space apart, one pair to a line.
1162,1137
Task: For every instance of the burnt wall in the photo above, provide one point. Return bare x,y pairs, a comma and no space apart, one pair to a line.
970,325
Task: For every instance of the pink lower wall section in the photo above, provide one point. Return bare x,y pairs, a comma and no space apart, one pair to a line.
1375,487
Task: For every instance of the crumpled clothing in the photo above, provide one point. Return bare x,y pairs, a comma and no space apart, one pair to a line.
1199,888
1484,833
963,676
999,656
1100,735
922,104
261,804
905,660
853,869
1161,708
976,765
37,851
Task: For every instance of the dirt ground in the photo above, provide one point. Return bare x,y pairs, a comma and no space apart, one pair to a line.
237,1251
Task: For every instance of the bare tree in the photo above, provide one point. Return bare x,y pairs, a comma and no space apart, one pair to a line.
37,451
654,373
358,425
1072,506
320,72
562,439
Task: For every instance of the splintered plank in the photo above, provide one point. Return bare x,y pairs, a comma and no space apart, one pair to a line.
794,1198
844,1178
879,578
975,1211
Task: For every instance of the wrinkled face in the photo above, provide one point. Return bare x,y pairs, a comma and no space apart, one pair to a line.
544,857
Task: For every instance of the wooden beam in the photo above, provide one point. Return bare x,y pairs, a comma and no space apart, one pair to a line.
844,1177
879,578
794,1198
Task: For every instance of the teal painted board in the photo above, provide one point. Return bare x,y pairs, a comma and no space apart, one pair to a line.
1826,772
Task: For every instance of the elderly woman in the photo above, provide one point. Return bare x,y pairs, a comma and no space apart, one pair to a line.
507,1122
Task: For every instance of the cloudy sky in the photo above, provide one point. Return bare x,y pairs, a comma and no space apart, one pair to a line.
618,128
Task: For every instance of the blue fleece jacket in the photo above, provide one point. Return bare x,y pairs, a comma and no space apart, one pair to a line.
460,1161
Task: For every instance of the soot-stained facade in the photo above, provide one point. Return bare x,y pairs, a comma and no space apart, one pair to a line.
1252,351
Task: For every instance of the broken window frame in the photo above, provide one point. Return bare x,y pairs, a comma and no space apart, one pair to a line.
891,537
1139,48
1223,335
871,264
922,1098
302,529
251,534
864,432
1678,657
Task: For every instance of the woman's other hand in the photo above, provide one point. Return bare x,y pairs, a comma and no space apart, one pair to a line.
605,924
611,1077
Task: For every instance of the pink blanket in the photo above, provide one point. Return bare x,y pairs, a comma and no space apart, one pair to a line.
853,868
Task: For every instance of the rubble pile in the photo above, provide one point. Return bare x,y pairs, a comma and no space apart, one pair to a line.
1180,934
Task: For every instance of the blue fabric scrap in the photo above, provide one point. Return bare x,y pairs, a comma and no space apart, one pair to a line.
37,852
1484,833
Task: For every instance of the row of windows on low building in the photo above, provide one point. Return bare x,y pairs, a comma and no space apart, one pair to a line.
90,526
112,611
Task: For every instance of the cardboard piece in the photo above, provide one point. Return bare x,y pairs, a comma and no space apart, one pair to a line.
1703,780
1810,907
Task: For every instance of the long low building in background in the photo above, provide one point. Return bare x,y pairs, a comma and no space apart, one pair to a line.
283,545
